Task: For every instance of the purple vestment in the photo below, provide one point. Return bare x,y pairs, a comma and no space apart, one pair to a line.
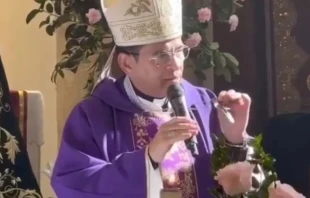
102,154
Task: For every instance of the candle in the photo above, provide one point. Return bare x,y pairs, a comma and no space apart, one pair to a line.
171,193
171,190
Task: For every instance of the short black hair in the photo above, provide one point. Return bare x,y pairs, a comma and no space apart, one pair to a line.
130,50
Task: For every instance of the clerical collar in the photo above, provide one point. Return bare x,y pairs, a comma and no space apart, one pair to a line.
144,96
162,102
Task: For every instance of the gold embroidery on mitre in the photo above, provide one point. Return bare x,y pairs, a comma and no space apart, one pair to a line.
139,7
141,30
165,7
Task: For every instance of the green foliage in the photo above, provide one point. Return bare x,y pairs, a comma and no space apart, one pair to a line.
220,159
220,155
85,41
263,158
208,55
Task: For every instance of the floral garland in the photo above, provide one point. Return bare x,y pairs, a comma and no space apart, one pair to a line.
88,36
251,175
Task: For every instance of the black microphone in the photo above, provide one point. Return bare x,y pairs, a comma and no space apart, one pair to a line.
176,97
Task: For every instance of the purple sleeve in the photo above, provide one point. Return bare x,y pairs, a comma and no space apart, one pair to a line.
82,169
214,121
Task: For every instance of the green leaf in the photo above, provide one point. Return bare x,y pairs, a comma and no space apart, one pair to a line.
49,8
227,75
219,59
224,9
200,75
62,20
46,22
72,43
49,30
77,55
269,180
39,1
216,194
69,30
80,31
258,139
85,43
85,61
57,6
61,73
236,71
214,46
54,76
74,69
231,60
65,52
219,71
31,15
42,5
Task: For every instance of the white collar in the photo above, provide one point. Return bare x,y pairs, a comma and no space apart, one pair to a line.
146,105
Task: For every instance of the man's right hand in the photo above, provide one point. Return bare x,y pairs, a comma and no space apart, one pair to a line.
177,129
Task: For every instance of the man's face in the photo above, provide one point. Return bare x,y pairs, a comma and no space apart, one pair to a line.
159,65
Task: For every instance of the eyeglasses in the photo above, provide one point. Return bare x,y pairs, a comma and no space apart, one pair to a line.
165,57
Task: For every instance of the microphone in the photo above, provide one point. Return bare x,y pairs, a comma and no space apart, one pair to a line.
175,95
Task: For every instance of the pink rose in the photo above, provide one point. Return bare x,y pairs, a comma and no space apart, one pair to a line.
93,16
233,21
283,191
235,178
204,15
193,40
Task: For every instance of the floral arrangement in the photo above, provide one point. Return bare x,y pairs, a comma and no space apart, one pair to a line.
251,175
88,36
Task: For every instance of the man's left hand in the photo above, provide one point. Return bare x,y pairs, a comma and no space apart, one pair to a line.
239,106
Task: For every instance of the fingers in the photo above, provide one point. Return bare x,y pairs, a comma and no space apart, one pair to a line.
246,98
179,136
179,123
178,129
180,120
179,126
232,97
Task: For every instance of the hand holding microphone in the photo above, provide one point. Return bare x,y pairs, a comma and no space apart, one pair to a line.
180,128
175,130
177,99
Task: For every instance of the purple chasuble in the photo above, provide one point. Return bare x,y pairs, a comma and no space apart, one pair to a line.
103,150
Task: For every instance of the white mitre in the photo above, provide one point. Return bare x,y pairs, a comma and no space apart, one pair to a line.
141,22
